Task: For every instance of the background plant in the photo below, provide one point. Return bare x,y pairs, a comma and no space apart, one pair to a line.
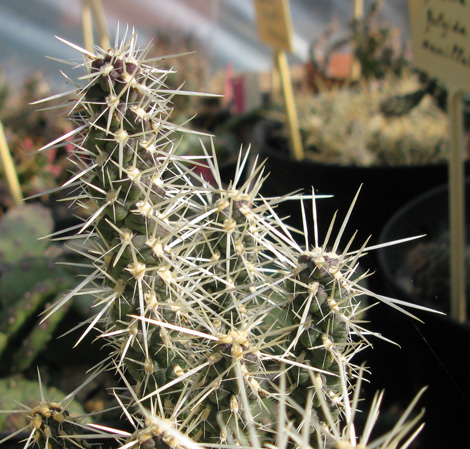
377,46
428,264
218,321
352,126
27,129
35,272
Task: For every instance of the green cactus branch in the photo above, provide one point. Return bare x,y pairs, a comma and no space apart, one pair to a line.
218,320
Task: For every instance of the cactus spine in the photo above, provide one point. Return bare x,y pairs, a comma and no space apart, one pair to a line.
219,321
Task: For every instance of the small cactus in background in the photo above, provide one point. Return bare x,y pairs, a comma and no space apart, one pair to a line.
427,263
46,423
224,329
388,122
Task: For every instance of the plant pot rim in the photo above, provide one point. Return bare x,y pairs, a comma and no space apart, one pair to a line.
273,153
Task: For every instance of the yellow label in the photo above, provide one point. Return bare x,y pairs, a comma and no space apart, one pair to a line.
274,23
440,32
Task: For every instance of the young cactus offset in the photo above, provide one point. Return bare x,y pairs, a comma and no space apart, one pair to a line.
218,319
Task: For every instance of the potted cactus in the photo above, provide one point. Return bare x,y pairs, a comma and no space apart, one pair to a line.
387,130
223,330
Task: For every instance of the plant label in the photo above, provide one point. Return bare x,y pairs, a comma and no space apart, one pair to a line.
274,23
440,32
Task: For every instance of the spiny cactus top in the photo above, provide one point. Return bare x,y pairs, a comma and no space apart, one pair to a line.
224,329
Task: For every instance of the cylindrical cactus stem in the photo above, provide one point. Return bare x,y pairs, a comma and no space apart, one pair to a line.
325,302
202,292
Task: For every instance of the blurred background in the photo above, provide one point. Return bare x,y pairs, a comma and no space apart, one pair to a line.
224,31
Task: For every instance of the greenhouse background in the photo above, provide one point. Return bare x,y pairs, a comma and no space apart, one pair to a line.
225,29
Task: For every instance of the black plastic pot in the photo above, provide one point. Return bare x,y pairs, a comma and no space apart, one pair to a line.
435,352
384,190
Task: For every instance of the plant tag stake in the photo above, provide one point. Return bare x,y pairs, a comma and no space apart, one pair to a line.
275,30
358,13
93,9
441,47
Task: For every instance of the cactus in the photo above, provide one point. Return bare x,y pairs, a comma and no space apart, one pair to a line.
53,424
218,319
22,228
22,344
376,45
15,390
351,126
30,279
